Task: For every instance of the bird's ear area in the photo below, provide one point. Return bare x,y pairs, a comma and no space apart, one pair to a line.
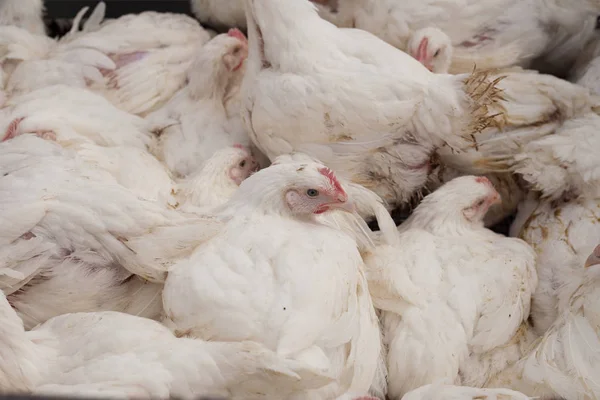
235,56
594,258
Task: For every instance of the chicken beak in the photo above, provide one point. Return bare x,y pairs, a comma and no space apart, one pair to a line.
343,204
592,260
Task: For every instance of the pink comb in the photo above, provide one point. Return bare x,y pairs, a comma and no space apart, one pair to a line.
332,179
236,33
238,146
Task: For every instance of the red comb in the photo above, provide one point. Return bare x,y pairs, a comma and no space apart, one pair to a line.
236,33
332,179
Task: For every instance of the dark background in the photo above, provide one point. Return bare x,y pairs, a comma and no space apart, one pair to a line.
115,8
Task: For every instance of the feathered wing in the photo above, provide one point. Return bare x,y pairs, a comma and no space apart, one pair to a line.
563,233
542,135
123,355
507,296
95,119
564,162
422,319
564,361
151,52
49,189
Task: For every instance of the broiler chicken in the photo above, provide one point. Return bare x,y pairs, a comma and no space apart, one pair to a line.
563,232
313,304
547,135
203,116
565,362
114,355
136,61
449,289
340,100
75,238
486,34
26,14
217,180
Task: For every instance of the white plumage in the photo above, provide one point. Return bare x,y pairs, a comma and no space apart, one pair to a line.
488,34
130,193
114,355
565,361
563,234
204,116
26,14
313,304
450,290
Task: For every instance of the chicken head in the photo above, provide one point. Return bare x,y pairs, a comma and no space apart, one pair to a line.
241,163
432,48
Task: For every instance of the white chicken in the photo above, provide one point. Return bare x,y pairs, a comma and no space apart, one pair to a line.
114,355
31,62
137,61
74,236
448,288
341,100
26,14
204,116
561,163
563,233
73,115
217,180
488,34
565,362
314,304
450,392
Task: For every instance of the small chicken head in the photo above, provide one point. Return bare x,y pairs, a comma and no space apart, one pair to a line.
236,51
315,190
469,196
241,163
594,258
432,48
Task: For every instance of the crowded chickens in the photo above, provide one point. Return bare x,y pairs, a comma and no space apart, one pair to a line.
302,199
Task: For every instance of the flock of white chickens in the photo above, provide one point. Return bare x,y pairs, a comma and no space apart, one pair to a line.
184,213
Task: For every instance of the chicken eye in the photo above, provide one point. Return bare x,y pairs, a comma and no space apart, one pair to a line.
312,192
242,163
437,53
236,50
480,203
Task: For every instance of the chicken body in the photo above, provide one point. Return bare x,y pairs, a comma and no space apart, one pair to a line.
563,233
488,34
63,234
564,361
203,116
313,305
340,100
114,355
450,290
